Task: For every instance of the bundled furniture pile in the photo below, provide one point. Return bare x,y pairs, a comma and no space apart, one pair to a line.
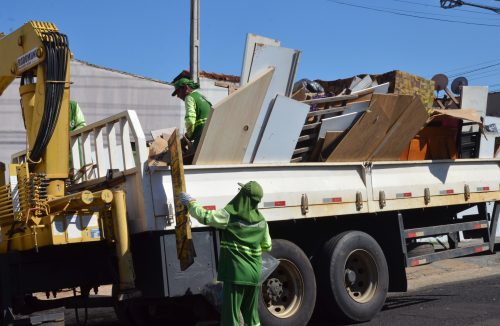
392,116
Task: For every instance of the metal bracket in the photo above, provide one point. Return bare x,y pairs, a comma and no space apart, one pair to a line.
381,199
427,196
359,200
304,204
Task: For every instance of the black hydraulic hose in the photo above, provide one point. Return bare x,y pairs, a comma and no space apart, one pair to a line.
57,53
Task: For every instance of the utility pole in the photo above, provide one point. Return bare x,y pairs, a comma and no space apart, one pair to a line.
194,63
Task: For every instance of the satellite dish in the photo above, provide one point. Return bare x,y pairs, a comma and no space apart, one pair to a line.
457,83
440,82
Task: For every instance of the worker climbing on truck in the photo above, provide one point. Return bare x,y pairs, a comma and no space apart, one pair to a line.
244,236
197,108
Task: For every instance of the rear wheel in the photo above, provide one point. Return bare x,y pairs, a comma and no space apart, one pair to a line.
354,276
289,294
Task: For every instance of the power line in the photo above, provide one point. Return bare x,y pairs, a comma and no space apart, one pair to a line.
434,6
478,69
474,65
410,15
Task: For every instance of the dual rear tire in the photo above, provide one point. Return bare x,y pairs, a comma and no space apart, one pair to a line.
353,282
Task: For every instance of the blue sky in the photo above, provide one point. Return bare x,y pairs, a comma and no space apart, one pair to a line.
151,38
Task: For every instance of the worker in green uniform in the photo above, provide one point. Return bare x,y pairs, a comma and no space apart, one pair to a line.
76,118
76,121
244,236
197,108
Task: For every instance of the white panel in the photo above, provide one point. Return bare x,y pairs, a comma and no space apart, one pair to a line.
475,97
282,131
357,107
354,82
285,62
491,131
364,83
252,41
339,123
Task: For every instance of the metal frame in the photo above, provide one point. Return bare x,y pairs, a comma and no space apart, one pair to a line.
422,232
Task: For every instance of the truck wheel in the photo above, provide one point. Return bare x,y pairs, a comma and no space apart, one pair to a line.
420,248
289,294
354,276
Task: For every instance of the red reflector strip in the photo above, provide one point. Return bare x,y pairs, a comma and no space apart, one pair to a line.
279,203
210,207
417,262
483,189
480,226
481,249
447,192
415,234
403,195
332,200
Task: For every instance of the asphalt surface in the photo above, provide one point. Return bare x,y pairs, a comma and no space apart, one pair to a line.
473,302
461,291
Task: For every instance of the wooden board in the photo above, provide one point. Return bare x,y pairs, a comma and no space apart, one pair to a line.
369,131
331,140
183,236
282,131
402,131
231,122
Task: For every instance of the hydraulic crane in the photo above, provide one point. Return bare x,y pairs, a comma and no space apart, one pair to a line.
38,212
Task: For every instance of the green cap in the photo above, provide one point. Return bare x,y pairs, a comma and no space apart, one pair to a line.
184,82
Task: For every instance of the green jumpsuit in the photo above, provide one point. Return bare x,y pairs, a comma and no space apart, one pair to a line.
244,235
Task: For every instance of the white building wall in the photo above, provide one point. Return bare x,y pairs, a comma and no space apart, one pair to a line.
100,93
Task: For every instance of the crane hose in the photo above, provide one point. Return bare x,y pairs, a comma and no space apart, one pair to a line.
56,62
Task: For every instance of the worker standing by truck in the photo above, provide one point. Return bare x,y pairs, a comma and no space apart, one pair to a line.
197,108
76,117
244,236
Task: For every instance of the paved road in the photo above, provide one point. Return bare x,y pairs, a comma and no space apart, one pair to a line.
473,298
473,302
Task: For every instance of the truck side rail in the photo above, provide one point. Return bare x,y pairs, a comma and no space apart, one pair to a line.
117,142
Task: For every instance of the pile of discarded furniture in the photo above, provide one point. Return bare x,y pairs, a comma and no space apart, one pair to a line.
392,116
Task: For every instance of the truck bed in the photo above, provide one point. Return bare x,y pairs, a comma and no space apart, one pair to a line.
313,190
291,191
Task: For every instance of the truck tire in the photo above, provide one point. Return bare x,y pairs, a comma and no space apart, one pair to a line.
420,248
354,277
289,294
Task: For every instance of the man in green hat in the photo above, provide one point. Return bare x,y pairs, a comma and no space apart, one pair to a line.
244,236
197,108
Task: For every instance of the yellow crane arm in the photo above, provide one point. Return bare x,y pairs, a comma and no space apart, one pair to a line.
40,55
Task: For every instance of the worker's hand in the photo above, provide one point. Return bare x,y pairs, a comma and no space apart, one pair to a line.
185,198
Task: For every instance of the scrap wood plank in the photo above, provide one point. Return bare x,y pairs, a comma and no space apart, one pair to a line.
183,236
402,132
331,140
367,133
230,123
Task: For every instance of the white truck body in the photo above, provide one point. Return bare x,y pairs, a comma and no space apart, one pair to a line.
291,191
